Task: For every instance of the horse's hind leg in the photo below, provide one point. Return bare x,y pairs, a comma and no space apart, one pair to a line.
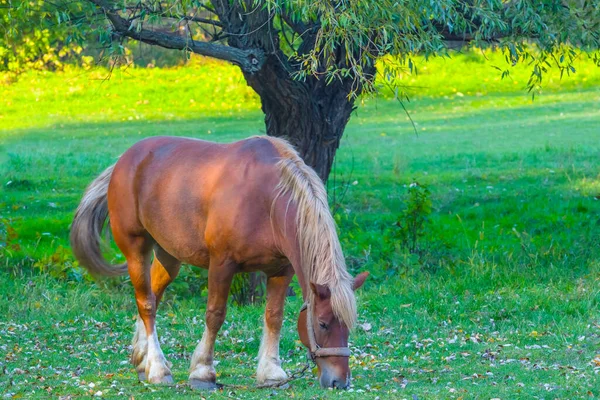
137,251
164,270
220,275
269,371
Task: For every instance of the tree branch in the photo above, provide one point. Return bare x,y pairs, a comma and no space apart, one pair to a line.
249,60
199,20
298,26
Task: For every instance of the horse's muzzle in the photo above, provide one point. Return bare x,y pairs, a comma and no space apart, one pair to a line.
331,381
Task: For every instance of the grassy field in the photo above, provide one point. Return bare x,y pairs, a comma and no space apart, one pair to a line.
501,301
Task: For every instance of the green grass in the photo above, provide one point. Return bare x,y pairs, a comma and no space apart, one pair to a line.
503,302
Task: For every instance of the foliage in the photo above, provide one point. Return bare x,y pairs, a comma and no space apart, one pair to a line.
334,40
190,280
475,73
248,289
8,236
38,34
541,34
412,221
60,265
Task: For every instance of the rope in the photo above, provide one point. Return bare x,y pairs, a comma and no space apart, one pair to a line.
295,375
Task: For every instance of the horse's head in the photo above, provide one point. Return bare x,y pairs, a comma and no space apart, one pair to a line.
326,337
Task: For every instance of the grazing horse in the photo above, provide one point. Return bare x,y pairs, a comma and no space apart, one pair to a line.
247,206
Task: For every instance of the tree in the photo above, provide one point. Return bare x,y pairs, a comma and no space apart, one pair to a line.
25,44
309,60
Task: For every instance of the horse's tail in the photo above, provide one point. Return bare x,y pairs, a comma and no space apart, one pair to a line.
86,230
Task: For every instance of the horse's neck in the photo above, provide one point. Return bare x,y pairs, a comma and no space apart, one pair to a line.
286,231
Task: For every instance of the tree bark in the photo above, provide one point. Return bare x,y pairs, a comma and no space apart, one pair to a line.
310,114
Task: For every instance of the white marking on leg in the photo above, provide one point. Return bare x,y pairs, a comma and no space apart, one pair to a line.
269,369
157,370
202,366
140,348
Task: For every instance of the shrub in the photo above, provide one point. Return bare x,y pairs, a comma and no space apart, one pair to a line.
413,220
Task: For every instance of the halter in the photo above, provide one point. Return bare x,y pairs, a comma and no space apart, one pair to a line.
316,350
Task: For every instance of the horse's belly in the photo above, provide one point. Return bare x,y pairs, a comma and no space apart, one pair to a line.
187,249
268,264
199,258
197,254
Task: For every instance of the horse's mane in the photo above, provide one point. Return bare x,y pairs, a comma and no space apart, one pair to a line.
321,257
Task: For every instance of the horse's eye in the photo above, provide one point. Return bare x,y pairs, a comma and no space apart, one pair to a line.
323,326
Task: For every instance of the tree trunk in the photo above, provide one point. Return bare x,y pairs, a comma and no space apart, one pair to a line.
310,114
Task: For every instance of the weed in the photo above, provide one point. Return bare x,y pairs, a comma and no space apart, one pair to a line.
248,288
412,221
59,265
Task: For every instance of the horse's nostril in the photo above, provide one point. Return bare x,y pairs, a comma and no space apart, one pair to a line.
339,384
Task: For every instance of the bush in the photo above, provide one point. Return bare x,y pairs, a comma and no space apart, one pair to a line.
248,288
412,222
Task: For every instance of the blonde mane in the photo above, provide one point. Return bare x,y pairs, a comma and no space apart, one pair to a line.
321,257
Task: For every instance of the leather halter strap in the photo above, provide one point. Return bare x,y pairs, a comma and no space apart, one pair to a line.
316,350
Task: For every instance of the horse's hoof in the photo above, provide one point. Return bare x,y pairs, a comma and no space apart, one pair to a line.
165,380
204,385
141,376
273,383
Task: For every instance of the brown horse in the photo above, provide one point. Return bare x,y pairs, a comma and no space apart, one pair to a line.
251,205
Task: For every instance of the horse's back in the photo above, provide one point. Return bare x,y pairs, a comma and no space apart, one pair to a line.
198,198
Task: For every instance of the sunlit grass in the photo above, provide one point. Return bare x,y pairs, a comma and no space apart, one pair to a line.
125,95
479,73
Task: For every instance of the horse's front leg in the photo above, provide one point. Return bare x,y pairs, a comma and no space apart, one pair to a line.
203,374
269,371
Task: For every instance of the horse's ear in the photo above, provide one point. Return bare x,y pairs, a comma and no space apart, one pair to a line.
359,280
321,291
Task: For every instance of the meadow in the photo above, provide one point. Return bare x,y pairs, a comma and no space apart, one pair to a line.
500,299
